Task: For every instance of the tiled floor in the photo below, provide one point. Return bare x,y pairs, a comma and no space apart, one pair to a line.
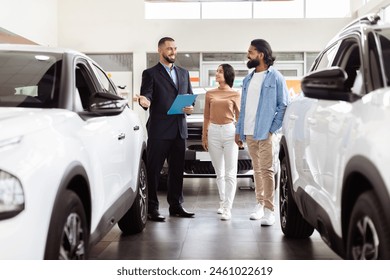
206,237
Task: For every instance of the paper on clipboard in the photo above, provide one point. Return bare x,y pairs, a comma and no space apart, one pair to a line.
181,101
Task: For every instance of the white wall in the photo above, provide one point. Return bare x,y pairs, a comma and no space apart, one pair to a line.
119,25
371,6
35,20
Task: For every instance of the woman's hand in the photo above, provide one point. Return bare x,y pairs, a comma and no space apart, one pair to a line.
205,145
238,141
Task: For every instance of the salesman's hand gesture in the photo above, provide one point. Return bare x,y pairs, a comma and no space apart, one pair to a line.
143,101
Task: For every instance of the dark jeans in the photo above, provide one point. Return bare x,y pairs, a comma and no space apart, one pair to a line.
158,150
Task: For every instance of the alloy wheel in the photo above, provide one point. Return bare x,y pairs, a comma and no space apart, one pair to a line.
365,240
73,243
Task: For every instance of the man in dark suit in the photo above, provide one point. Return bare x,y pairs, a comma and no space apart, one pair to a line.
166,133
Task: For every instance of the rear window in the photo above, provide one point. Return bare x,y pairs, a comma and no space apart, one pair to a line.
29,79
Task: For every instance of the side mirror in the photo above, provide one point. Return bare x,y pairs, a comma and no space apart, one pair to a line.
103,103
328,84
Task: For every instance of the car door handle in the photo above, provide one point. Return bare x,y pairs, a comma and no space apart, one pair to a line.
293,117
121,136
136,127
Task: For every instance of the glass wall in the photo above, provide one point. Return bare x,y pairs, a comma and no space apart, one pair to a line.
202,66
203,9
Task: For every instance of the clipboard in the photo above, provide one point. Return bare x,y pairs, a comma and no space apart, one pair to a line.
181,101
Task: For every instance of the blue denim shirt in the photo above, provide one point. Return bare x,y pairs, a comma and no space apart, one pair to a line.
272,104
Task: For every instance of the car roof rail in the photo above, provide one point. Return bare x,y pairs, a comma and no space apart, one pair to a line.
369,19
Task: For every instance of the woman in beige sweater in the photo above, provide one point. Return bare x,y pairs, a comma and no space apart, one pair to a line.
220,114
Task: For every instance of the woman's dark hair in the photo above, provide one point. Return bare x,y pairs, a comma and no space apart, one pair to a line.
228,74
263,46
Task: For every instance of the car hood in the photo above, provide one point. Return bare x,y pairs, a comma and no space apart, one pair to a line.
16,122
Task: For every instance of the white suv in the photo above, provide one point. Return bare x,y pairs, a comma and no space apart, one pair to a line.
335,149
71,155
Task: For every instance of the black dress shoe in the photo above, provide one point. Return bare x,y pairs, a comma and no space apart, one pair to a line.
180,212
156,216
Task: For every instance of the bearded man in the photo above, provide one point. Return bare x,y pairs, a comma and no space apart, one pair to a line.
263,103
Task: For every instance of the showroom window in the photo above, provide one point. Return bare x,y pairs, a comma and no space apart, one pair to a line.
187,60
245,9
202,66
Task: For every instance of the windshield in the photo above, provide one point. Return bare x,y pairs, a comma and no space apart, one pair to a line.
29,79
199,104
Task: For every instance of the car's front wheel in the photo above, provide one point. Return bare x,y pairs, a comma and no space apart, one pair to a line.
134,220
68,233
368,233
291,220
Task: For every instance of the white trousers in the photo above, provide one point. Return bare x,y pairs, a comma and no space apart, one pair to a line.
224,155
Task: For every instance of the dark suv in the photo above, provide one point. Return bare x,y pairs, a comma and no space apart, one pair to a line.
197,160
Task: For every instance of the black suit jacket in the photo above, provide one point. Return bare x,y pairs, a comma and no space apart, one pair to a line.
160,89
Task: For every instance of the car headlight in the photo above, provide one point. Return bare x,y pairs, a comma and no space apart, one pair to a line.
11,195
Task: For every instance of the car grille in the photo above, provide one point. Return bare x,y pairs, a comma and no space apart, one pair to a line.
195,133
244,166
206,167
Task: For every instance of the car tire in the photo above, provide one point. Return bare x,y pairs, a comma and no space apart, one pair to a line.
68,236
134,221
368,233
291,220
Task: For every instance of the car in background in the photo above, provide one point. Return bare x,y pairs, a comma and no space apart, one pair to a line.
197,160
72,155
334,147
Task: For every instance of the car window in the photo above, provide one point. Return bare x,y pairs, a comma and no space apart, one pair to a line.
384,39
84,85
325,59
29,79
376,80
199,104
104,80
348,58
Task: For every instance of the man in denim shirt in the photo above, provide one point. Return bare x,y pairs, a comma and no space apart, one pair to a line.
263,103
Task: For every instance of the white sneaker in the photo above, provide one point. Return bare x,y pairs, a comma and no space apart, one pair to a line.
258,212
226,215
268,218
220,209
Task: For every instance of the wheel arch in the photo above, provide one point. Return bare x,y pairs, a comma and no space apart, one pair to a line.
283,150
75,179
143,153
361,175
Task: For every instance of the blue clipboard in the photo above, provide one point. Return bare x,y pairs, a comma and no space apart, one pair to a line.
181,101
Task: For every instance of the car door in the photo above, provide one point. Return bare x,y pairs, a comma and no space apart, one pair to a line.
329,125
306,133
107,138
130,132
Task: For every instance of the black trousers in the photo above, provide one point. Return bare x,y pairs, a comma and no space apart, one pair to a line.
157,151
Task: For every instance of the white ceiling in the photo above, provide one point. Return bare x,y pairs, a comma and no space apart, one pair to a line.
213,0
